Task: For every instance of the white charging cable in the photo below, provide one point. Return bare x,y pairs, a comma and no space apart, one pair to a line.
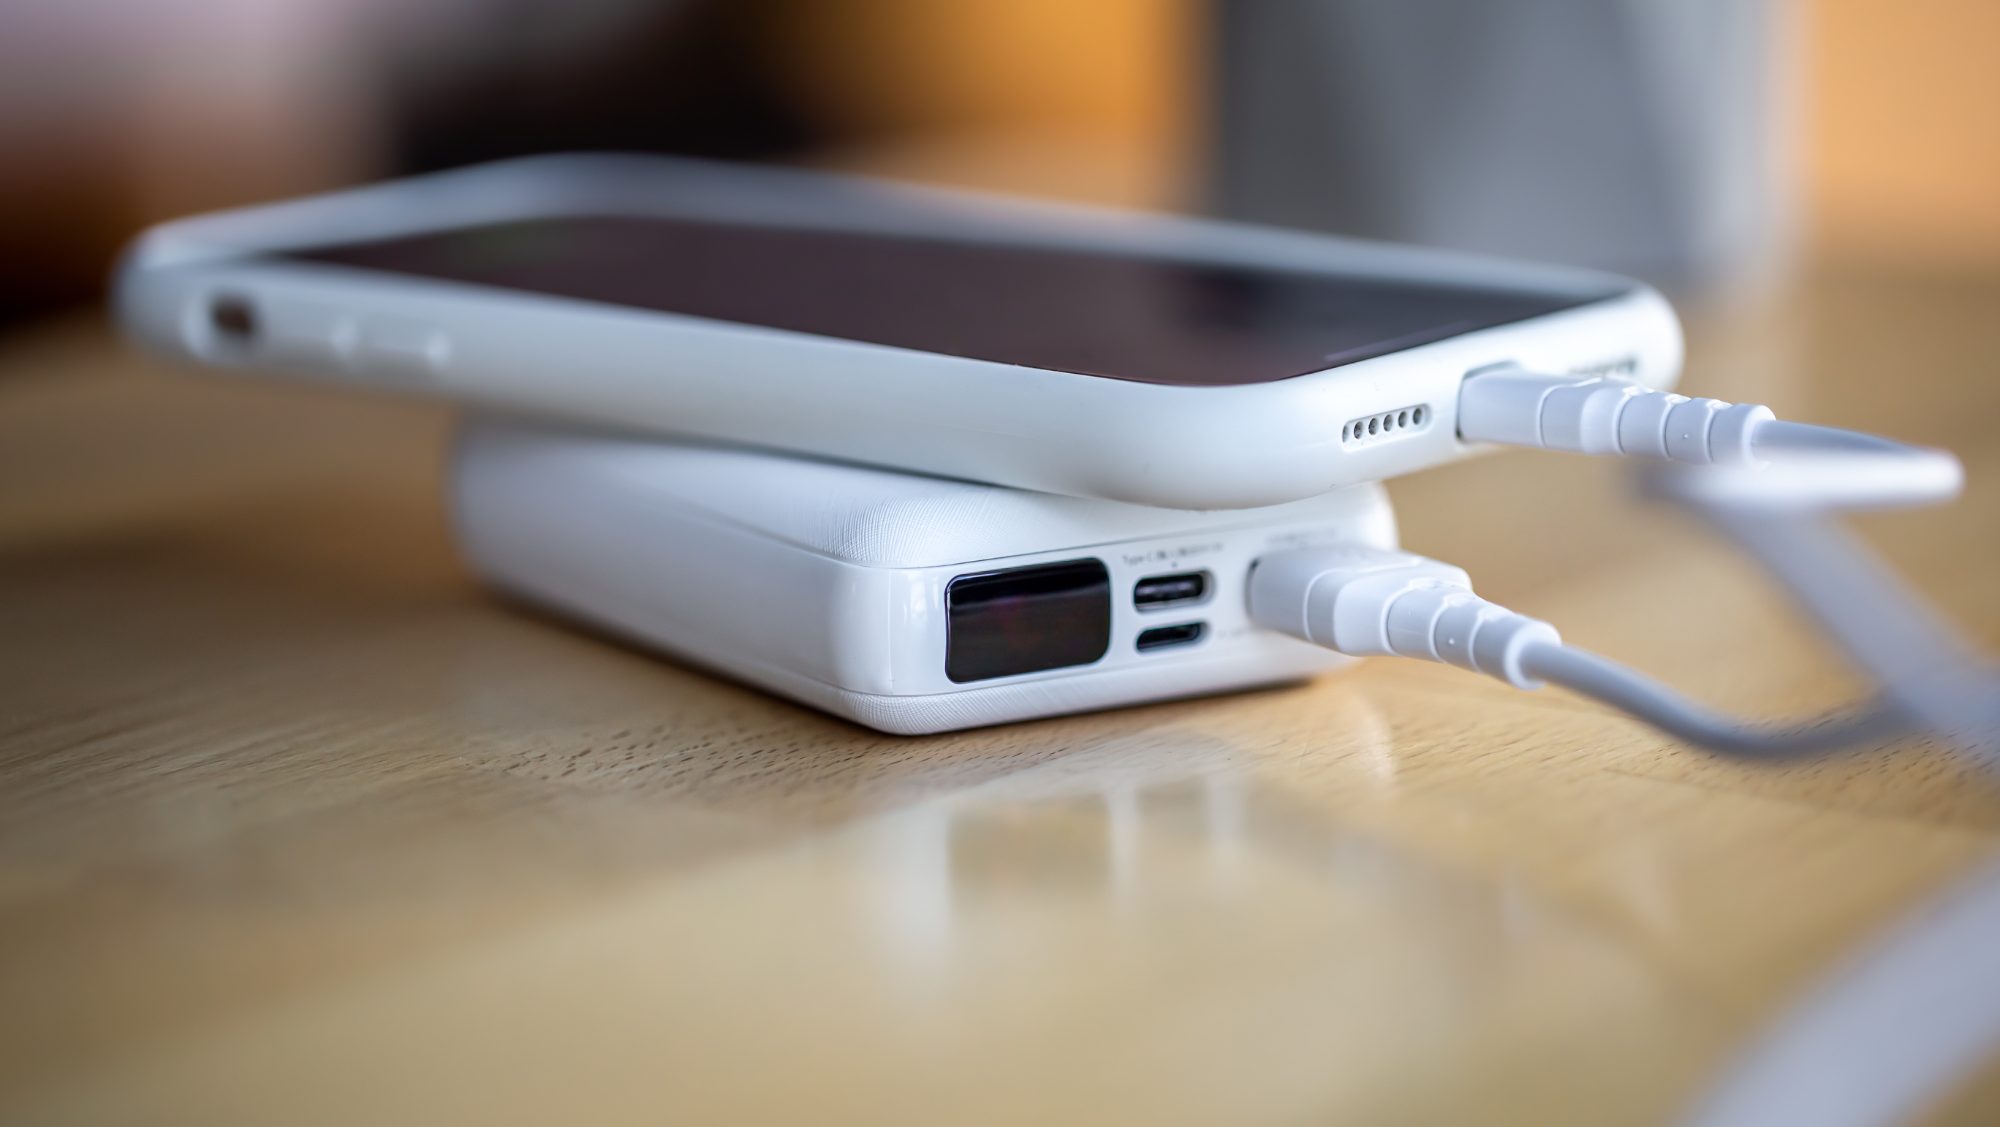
1803,466
1918,1012
1765,483
1915,1015
1368,602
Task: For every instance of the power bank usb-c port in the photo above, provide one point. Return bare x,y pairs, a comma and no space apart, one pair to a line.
1161,637
1158,592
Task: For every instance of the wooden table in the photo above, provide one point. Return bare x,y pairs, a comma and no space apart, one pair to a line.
299,826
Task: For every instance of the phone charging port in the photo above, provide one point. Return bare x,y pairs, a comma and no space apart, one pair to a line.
1161,637
1158,592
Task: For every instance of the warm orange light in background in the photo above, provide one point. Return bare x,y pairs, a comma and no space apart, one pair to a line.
1104,67
1099,100
1903,151
121,122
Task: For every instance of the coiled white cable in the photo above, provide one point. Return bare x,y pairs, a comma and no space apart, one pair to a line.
1918,1011
1772,487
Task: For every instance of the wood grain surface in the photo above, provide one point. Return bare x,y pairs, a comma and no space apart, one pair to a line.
299,826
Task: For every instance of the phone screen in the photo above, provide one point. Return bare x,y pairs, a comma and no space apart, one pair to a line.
1127,317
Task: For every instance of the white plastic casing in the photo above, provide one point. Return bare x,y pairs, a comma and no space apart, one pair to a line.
825,582
1187,447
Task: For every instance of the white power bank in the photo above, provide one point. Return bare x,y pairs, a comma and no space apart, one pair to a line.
903,602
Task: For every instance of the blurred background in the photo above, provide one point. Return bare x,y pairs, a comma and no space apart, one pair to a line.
1703,144
348,771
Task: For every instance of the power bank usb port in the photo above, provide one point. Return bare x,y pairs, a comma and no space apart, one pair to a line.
1158,592
1160,637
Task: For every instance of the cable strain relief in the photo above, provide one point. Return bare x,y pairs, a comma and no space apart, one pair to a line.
1687,430
1606,415
1454,626
1502,645
1733,432
1675,428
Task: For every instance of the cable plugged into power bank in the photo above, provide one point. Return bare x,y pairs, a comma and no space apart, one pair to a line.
1367,602
1767,484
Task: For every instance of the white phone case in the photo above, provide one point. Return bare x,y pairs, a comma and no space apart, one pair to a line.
825,582
1183,447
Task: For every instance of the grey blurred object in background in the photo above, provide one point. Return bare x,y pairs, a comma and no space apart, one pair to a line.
1648,137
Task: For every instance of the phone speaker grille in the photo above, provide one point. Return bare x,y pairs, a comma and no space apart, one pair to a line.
1399,423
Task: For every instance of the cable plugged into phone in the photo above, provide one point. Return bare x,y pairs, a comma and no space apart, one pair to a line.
1608,415
1767,484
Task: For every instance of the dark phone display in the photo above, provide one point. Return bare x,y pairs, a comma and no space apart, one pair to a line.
1127,317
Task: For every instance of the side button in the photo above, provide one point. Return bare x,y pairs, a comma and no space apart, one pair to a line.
395,349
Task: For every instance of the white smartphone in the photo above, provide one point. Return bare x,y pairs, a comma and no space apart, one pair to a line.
1143,358
901,601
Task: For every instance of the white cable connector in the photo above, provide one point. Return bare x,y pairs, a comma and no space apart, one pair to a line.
1605,415
1366,602
1817,466
1370,602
